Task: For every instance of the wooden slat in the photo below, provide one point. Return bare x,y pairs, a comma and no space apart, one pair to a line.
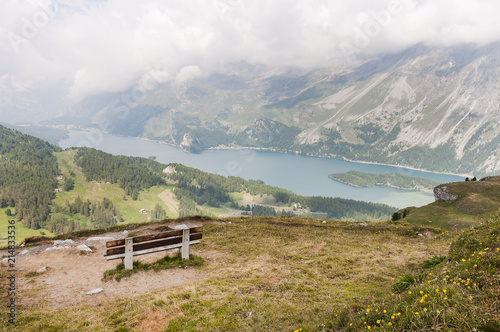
152,250
153,244
150,237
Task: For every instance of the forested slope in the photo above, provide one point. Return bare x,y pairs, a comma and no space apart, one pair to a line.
131,173
28,171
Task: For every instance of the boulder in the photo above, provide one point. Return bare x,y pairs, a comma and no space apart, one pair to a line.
84,247
442,193
95,291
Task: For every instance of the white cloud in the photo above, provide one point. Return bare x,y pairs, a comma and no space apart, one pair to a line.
108,46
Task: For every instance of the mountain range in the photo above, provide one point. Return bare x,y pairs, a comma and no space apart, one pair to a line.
434,108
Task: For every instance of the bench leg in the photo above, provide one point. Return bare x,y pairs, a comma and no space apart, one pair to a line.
185,244
129,265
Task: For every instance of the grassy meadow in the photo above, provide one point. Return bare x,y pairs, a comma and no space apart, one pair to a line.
288,274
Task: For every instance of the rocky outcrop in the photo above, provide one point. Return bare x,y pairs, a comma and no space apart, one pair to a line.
190,143
169,170
442,193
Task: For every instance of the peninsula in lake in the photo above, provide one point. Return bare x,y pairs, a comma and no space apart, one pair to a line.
395,180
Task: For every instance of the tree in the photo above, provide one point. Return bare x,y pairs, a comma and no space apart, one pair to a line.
135,195
8,212
158,213
69,184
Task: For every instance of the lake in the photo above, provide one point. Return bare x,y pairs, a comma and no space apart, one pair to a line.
303,175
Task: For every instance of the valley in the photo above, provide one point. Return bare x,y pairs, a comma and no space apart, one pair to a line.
91,189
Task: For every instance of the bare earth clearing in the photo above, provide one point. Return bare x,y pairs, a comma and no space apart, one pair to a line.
168,198
71,273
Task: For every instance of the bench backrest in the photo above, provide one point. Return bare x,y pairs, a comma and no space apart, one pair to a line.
145,244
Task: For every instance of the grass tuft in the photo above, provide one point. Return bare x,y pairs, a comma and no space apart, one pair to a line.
433,261
164,263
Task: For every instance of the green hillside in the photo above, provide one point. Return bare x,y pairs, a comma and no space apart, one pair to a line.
97,191
459,204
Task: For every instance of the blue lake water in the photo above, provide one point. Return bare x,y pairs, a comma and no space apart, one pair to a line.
302,174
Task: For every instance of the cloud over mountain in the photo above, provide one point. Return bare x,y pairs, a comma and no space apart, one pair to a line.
95,46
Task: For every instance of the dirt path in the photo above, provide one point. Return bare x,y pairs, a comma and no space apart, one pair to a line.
71,273
168,198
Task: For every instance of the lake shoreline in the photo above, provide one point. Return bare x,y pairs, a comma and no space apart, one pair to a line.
236,148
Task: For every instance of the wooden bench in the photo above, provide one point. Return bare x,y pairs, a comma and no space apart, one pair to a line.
181,237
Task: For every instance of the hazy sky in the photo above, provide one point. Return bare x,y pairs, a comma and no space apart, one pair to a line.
84,47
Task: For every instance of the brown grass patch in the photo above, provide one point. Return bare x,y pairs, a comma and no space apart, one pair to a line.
154,320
